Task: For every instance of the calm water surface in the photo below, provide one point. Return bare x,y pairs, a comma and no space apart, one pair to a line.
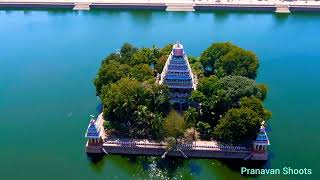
49,58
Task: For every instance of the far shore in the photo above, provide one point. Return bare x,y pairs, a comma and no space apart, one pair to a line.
169,5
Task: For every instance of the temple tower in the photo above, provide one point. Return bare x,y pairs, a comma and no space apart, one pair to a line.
178,76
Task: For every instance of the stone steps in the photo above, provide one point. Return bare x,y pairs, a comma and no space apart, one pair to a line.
282,8
180,7
82,6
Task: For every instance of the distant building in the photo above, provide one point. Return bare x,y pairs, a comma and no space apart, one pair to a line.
177,74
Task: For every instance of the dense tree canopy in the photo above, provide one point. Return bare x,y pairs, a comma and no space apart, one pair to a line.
238,125
256,105
134,108
213,53
131,62
216,96
238,62
228,102
228,59
232,88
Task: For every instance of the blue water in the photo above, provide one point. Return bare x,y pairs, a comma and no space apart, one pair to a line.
49,58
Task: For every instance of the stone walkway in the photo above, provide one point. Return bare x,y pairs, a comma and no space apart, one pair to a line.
198,145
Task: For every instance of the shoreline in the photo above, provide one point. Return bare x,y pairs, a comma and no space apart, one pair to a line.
169,5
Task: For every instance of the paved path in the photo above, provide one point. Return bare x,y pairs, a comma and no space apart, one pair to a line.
199,145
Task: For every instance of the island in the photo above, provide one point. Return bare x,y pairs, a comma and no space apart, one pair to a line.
161,102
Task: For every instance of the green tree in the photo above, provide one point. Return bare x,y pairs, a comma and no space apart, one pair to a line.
144,56
174,125
256,105
107,126
127,50
161,57
232,89
205,130
190,117
156,130
110,71
238,62
141,72
237,126
207,96
212,54
226,59
166,50
263,89
208,85
134,108
120,102
142,117
158,97
192,59
160,63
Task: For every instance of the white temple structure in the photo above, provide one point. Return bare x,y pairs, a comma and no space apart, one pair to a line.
177,74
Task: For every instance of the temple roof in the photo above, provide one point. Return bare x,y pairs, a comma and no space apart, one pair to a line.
176,64
92,130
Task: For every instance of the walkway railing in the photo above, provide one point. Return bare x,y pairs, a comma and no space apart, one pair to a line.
180,146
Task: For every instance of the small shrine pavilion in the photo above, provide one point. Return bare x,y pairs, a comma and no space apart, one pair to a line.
262,140
94,132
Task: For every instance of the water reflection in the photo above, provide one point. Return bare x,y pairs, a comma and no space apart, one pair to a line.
96,161
236,164
281,18
152,167
49,11
143,18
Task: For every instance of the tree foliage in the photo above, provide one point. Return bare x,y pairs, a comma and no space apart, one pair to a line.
226,59
213,53
160,63
174,125
131,61
256,105
134,108
233,88
238,125
229,102
191,116
239,62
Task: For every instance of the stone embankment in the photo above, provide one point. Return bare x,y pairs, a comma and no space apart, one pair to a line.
169,5
100,141
198,149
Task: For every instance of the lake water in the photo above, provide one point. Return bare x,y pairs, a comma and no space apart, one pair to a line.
48,60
